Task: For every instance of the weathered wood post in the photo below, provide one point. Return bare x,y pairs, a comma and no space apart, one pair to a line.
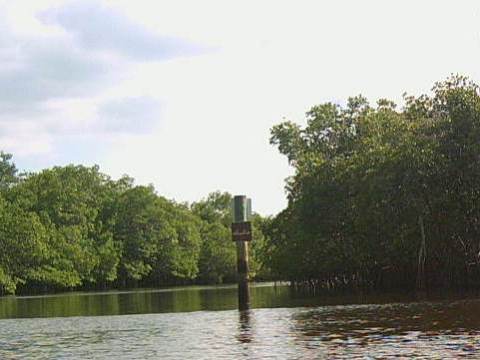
242,234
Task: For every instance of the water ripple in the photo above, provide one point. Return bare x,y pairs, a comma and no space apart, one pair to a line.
443,330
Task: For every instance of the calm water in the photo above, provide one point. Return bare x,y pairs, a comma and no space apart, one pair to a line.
203,323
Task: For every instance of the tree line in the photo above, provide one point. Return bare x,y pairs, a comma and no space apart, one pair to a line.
73,227
382,197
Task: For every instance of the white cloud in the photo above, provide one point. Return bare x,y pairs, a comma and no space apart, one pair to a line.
272,59
58,82
132,115
99,27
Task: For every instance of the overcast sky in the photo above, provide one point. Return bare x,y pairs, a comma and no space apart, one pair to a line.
182,94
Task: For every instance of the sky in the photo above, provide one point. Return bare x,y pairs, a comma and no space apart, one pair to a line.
183,94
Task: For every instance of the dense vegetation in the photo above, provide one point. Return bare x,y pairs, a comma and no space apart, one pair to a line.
74,227
383,198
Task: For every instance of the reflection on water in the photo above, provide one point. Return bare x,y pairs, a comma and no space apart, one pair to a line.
244,328
334,327
435,329
192,298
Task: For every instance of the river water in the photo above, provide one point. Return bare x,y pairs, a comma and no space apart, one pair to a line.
203,323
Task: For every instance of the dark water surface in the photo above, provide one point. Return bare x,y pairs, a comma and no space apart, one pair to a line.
203,323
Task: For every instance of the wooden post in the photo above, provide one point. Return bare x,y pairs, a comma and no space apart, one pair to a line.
241,234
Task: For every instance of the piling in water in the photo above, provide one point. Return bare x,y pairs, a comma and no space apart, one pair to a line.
241,234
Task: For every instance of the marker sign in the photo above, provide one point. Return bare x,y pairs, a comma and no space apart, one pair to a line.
242,231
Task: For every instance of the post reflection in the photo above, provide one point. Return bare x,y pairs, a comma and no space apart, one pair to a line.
245,333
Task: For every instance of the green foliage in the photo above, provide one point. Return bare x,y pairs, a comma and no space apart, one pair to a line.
70,201
382,197
217,261
8,171
23,242
74,227
158,237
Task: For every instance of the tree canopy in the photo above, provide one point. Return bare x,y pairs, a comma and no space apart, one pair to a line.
74,227
383,197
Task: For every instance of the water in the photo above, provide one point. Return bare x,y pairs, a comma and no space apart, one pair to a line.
203,323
